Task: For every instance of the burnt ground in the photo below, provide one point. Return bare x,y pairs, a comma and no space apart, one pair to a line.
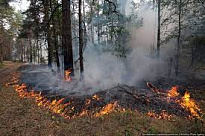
23,117
40,78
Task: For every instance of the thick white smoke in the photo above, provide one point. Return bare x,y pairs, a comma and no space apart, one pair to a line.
104,70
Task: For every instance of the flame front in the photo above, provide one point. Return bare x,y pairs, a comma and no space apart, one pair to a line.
67,111
162,115
56,106
107,109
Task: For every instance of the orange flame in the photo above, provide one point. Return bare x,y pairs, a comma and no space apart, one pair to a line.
162,115
173,92
56,106
107,109
96,97
189,104
67,75
185,102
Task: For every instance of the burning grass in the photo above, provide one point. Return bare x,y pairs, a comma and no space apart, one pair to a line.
186,102
64,109
71,108
23,117
93,116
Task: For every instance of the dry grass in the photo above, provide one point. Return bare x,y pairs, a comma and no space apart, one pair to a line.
24,117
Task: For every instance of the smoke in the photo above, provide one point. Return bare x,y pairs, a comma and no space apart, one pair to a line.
104,70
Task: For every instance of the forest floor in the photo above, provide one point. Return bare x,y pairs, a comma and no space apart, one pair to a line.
23,117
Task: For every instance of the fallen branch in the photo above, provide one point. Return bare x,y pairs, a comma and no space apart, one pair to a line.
156,90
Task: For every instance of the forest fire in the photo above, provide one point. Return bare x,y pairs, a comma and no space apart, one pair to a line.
94,106
66,110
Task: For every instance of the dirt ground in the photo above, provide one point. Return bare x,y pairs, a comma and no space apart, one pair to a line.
22,117
6,71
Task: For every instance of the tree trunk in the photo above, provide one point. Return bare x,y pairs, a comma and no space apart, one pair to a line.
55,35
98,15
30,49
1,53
84,26
21,50
158,29
91,27
67,36
178,40
48,32
80,38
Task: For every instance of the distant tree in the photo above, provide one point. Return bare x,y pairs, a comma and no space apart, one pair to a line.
178,22
10,23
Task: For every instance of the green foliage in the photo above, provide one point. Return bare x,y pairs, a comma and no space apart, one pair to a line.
10,22
114,25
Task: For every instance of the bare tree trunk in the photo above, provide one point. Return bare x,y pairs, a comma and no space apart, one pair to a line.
84,26
98,15
24,50
80,38
30,48
34,51
158,29
21,50
67,36
1,41
54,21
37,50
22,40
178,40
48,32
91,29
1,53
56,47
